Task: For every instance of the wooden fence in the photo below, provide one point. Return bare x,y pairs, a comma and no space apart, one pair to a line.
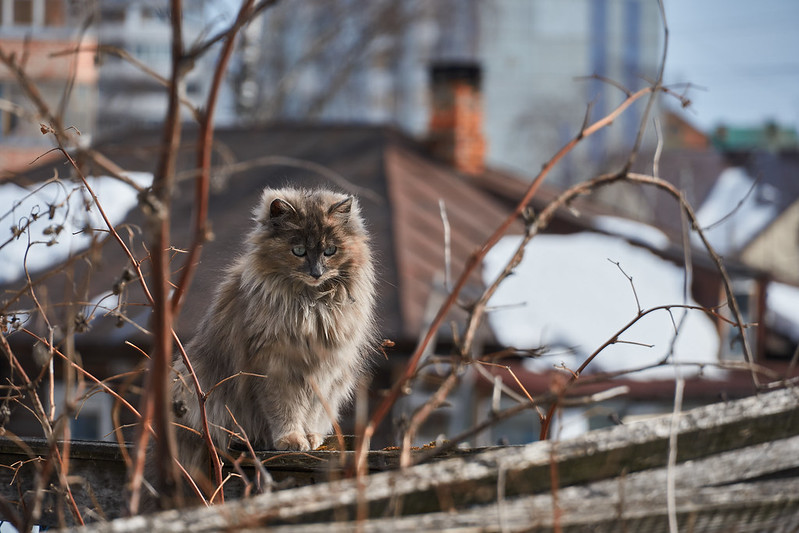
734,466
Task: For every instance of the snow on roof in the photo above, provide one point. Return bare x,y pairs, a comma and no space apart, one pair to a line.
782,302
633,231
57,232
741,208
567,295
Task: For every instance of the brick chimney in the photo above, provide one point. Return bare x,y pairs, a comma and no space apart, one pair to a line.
456,118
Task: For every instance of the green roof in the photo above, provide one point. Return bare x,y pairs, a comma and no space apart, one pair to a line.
767,137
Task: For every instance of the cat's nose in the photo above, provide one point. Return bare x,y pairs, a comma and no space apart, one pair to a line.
317,270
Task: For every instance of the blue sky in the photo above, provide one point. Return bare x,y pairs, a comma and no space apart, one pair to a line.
743,53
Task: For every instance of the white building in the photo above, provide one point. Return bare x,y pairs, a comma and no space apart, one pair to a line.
350,60
40,37
142,30
534,55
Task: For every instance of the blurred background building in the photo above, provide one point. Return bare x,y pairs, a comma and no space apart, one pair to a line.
136,58
354,61
40,36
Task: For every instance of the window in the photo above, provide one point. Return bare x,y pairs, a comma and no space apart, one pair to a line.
733,343
93,420
54,13
23,12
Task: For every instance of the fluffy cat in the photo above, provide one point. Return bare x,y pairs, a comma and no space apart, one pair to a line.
297,307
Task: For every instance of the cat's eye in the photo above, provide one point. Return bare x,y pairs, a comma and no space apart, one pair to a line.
299,251
330,250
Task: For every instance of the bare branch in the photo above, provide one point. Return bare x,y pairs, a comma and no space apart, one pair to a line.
475,258
632,285
205,142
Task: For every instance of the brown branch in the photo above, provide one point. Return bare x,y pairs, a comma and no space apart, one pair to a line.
75,366
264,473
42,416
423,413
202,398
612,340
157,399
476,257
518,382
204,150
133,60
202,48
205,143
35,96
651,101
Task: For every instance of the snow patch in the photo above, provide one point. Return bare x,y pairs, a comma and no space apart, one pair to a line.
54,217
633,231
782,302
573,299
734,225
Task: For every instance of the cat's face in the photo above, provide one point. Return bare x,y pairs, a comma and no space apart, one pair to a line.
312,238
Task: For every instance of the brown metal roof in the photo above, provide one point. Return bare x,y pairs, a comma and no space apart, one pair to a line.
415,186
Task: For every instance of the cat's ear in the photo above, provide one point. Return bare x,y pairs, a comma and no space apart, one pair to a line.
341,208
279,208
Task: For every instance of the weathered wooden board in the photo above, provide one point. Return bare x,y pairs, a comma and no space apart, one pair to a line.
98,474
744,507
721,440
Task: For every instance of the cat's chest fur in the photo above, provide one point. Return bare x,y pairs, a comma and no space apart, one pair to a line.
308,327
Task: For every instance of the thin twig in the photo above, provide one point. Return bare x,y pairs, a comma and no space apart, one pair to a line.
233,376
422,414
630,279
134,61
202,398
201,48
330,414
656,90
442,208
734,209
545,426
671,502
607,80
264,473
518,382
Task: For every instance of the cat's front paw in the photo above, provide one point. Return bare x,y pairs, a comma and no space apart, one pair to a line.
315,440
294,441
